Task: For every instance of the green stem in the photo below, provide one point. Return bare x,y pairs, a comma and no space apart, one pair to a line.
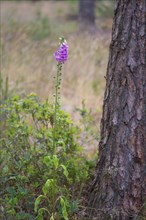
56,108
57,105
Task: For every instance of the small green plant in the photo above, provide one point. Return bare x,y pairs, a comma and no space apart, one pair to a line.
105,9
4,95
88,124
40,28
3,88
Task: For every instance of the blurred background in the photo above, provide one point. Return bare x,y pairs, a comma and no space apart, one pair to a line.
30,32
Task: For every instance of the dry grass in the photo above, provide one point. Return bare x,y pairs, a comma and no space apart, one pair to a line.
29,62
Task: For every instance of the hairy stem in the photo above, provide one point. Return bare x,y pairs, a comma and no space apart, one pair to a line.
56,104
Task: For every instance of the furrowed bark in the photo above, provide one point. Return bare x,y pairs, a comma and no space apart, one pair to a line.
119,188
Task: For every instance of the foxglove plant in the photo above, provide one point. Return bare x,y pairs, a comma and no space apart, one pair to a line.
61,56
64,165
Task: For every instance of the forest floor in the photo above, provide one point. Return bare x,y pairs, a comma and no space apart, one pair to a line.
29,37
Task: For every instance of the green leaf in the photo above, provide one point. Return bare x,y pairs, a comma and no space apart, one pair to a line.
55,161
37,202
74,206
22,190
47,160
62,144
12,191
40,213
65,172
40,216
52,218
64,211
47,186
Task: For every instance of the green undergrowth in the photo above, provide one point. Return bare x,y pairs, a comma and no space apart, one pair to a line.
39,181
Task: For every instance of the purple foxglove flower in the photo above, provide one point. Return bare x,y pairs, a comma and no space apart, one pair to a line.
62,53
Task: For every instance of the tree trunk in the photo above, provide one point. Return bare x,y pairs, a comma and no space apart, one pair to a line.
119,188
86,11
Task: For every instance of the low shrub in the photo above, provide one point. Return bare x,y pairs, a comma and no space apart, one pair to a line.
31,165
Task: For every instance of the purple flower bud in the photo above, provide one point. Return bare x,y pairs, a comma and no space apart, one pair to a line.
62,53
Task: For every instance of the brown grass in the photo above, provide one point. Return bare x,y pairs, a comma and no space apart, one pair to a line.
30,65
